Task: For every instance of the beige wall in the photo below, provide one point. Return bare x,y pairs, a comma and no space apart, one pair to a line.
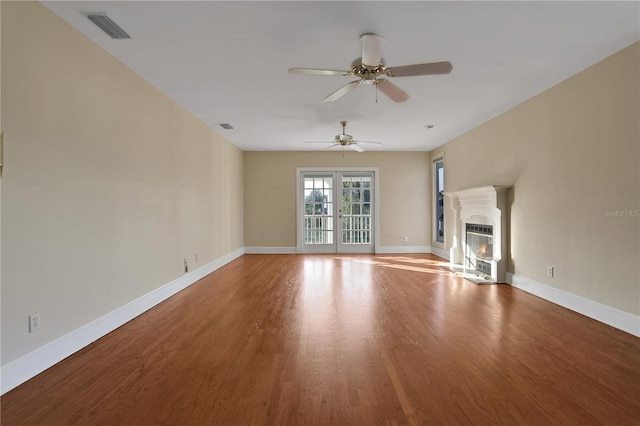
270,194
572,154
108,184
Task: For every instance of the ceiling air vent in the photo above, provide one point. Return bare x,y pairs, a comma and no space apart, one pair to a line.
107,25
226,126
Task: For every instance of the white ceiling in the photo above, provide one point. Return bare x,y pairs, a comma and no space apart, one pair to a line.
227,62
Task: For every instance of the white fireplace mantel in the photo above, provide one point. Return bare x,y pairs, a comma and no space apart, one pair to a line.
485,205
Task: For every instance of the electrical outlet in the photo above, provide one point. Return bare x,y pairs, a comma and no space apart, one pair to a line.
406,239
550,271
34,322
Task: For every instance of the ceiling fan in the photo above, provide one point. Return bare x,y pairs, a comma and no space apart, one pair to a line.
371,69
345,140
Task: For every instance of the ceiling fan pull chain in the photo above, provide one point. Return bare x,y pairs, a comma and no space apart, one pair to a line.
376,93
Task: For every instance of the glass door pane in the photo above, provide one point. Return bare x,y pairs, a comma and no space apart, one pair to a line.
356,213
318,215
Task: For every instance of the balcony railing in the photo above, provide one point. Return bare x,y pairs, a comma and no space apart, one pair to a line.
318,229
356,229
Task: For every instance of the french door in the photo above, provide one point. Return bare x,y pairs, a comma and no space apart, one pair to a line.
336,211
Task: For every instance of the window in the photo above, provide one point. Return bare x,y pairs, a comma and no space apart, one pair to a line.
356,210
438,173
318,209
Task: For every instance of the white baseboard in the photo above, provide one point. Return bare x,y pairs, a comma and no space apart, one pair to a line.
606,314
440,252
270,250
33,363
379,250
402,249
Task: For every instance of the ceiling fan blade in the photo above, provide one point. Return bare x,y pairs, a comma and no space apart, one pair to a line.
432,68
355,147
342,91
331,146
372,46
377,143
394,93
314,71
325,142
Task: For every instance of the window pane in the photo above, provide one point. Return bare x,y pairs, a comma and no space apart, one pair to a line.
439,200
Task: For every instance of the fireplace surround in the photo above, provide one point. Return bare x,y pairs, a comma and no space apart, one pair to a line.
479,248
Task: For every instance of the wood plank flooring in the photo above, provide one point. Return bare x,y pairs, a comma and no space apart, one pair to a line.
343,340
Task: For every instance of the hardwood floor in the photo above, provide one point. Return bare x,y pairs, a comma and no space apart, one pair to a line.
343,340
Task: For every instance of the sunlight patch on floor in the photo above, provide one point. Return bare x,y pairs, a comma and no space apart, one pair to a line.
400,262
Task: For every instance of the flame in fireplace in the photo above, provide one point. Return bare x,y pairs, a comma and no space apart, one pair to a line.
482,251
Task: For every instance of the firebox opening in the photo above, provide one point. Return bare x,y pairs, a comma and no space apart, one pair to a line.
479,247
